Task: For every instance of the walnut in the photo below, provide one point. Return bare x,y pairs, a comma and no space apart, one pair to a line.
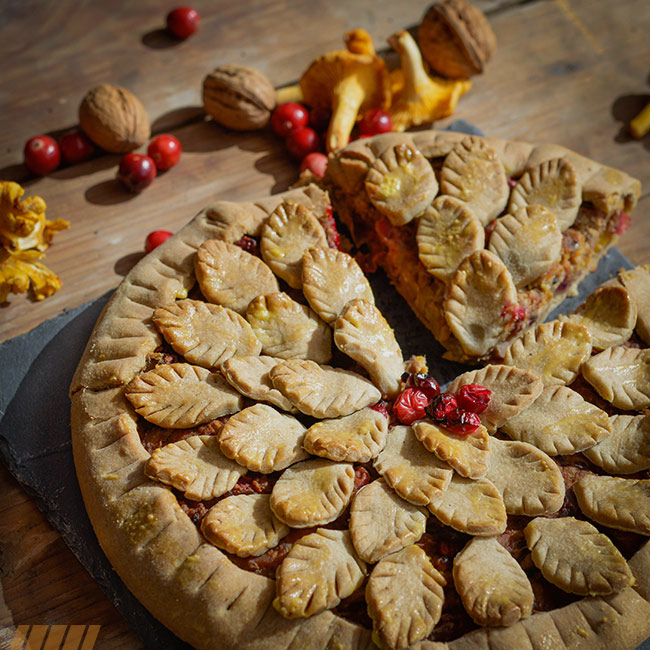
238,97
114,119
456,39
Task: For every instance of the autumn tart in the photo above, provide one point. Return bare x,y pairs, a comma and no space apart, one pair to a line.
264,469
482,237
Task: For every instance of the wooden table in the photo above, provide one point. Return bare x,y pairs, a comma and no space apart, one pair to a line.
567,71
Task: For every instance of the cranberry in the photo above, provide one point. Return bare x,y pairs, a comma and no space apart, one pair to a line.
155,238
302,142
76,147
463,422
442,407
288,118
381,407
316,163
165,150
410,405
183,21
624,223
473,397
374,121
42,154
136,171
512,183
319,118
331,231
425,383
249,244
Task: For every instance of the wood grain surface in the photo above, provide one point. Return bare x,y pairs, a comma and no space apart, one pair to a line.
572,72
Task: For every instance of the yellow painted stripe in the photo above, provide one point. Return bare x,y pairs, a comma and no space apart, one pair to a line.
91,637
74,636
36,637
55,637
19,637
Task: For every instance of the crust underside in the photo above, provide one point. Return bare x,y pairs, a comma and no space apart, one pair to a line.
187,583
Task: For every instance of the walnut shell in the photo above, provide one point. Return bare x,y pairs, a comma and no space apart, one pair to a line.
114,119
456,39
238,97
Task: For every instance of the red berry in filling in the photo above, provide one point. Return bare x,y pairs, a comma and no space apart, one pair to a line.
249,244
428,385
624,223
463,422
410,405
381,407
442,407
473,397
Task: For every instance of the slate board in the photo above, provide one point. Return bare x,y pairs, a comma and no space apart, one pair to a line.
37,368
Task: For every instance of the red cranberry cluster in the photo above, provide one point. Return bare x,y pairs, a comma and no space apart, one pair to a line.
303,132
458,413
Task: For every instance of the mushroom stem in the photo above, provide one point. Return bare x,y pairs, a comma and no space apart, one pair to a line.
347,98
288,94
415,76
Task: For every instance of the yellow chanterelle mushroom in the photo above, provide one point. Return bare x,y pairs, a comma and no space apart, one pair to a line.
348,82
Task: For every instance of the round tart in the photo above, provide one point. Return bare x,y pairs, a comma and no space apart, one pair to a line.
266,502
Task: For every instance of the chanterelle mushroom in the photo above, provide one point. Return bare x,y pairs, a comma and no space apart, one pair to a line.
421,98
348,82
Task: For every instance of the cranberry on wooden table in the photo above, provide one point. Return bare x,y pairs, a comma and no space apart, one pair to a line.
165,150
42,154
315,162
76,147
288,118
155,238
303,142
136,171
375,121
182,22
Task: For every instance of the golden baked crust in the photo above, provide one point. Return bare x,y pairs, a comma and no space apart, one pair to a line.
186,582
473,169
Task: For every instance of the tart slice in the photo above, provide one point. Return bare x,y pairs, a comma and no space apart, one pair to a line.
518,193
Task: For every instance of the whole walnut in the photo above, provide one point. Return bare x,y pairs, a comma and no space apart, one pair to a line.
114,119
238,97
456,39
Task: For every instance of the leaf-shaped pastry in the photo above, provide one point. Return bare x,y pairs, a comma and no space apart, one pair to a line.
401,184
622,503
637,282
513,390
467,454
179,396
552,184
330,279
447,233
493,587
288,330
322,391
312,492
250,376
478,297
528,241
574,556
381,523
356,438
287,234
627,448
262,439
405,597
554,351
560,421
318,573
363,334
195,466
243,525
472,507
205,334
230,276
609,314
529,480
621,376
413,472
473,174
